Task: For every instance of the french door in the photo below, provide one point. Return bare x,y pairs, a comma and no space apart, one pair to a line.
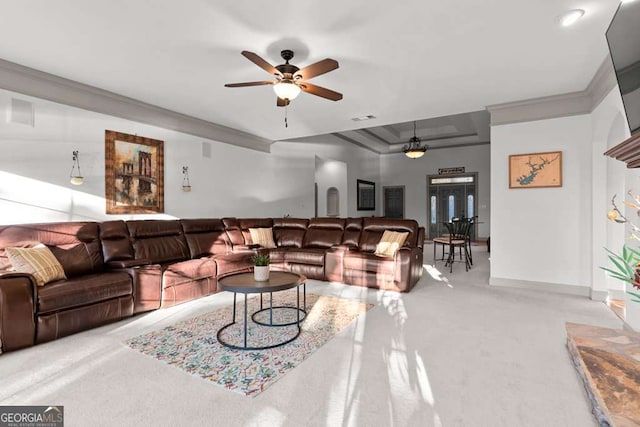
450,196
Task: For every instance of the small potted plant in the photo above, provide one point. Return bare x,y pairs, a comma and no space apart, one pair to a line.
261,266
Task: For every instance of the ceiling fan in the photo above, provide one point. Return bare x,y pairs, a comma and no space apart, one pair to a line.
290,80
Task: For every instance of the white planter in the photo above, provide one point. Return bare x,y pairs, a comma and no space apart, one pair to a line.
261,273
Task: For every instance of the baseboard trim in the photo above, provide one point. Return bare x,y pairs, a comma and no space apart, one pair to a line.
556,288
617,294
602,296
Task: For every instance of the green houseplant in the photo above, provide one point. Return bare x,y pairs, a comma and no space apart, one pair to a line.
261,261
626,265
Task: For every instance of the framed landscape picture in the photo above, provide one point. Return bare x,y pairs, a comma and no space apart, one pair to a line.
134,174
535,170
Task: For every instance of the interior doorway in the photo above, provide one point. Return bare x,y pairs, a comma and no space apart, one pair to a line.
450,196
393,201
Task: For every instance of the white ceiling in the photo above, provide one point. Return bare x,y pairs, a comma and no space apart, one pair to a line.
399,61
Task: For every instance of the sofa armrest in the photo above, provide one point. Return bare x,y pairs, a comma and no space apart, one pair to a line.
127,263
17,309
408,269
420,240
147,286
244,248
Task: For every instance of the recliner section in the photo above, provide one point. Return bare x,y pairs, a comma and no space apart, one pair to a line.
119,268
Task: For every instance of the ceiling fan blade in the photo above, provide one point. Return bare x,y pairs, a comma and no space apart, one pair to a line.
248,84
317,69
320,91
261,63
282,102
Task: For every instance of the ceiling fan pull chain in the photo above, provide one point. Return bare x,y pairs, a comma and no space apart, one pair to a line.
285,116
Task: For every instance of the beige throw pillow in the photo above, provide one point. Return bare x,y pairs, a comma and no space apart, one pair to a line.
37,261
390,242
262,237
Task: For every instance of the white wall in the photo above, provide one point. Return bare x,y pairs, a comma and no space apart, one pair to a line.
36,161
361,164
331,173
543,234
397,169
609,129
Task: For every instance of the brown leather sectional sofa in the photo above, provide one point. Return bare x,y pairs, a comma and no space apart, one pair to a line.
116,269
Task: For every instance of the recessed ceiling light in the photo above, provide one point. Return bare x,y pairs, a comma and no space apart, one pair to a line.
363,118
570,17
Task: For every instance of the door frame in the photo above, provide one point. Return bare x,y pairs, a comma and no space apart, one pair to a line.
404,199
428,199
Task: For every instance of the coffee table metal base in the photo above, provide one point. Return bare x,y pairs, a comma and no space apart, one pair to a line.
271,307
271,324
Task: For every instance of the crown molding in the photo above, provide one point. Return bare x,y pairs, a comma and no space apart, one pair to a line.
32,82
602,83
548,107
564,105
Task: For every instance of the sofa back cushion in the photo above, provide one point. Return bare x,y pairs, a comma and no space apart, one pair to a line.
158,240
205,237
116,244
324,232
247,223
352,230
234,233
76,245
289,232
374,228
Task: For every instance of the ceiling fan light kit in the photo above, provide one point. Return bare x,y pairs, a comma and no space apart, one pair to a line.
291,80
286,90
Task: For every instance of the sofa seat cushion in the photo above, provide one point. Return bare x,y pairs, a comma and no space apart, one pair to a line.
83,290
365,261
277,255
188,271
305,256
233,263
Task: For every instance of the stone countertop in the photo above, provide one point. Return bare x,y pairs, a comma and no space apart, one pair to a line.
608,361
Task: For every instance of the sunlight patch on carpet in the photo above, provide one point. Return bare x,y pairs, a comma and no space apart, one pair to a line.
191,345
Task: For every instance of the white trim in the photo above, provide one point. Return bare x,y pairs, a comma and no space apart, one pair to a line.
617,294
564,105
28,81
556,288
603,81
602,296
548,107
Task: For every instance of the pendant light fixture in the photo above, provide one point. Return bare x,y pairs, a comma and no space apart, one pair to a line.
76,178
414,149
186,185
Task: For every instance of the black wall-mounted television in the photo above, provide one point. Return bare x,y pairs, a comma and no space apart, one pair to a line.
623,37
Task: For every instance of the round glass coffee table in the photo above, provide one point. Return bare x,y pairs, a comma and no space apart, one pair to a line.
244,283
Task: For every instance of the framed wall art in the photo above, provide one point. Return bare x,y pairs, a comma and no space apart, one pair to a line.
366,192
535,170
134,174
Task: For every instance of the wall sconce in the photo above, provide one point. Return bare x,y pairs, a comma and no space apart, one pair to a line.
76,178
186,185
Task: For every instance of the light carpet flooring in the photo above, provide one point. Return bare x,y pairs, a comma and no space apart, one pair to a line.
453,352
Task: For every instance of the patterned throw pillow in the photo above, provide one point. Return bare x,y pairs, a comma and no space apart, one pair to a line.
390,242
262,237
37,261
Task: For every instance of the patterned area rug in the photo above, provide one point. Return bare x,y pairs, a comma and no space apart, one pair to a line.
191,345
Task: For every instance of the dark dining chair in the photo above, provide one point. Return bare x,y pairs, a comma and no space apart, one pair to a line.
457,237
